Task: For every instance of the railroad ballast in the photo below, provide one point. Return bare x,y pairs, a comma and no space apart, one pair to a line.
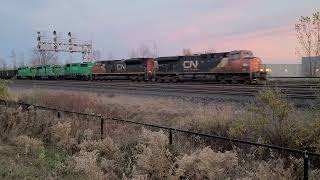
227,67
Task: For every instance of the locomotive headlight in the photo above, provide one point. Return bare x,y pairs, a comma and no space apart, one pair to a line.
261,69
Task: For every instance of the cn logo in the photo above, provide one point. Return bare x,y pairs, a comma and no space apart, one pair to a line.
121,67
190,64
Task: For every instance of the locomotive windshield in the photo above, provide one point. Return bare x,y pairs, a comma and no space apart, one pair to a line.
234,55
247,54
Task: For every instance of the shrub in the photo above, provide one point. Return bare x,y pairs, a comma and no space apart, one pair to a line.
153,158
206,164
30,145
106,147
271,170
4,93
270,116
61,135
86,163
15,122
209,119
272,119
109,156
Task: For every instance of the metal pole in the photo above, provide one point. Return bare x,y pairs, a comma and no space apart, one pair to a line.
102,127
305,166
170,137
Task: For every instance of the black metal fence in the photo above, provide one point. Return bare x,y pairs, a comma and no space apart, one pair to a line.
304,154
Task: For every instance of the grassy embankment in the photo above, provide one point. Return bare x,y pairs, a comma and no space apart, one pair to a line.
36,144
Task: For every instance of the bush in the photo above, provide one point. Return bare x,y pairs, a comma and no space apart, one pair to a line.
4,93
15,122
269,117
86,163
271,170
61,135
153,158
31,145
206,164
272,119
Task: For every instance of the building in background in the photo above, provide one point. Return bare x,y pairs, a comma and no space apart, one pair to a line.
284,70
311,66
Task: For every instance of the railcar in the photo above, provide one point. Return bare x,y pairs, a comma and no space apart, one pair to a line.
228,67
8,74
80,71
26,73
131,69
58,71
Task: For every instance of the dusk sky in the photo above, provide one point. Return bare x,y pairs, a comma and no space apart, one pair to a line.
117,26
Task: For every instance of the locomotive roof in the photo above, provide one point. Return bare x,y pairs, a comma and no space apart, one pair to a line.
113,60
176,58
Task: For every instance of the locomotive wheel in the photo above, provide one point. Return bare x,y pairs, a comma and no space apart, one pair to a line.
167,79
175,80
234,80
159,80
247,82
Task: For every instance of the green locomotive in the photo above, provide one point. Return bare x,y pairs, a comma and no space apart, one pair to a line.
80,71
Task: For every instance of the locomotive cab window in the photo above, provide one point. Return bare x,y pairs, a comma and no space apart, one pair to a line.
84,65
234,56
247,54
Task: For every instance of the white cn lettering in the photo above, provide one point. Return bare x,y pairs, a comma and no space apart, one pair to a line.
120,67
190,64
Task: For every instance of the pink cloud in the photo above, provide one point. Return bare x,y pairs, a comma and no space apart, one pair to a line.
273,45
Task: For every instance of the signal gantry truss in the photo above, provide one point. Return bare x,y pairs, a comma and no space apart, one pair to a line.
71,45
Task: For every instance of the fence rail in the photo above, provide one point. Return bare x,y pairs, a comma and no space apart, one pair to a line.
303,153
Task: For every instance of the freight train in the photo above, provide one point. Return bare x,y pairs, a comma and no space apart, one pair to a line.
226,67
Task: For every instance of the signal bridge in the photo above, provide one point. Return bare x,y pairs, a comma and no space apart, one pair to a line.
62,45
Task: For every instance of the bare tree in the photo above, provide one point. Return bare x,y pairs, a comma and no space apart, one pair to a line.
43,57
110,56
3,63
211,50
308,35
21,60
186,52
14,59
144,51
96,55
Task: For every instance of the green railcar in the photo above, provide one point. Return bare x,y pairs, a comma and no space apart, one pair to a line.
26,73
58,71
78,70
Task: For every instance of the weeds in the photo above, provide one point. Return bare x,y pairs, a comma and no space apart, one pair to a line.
133,154
4,93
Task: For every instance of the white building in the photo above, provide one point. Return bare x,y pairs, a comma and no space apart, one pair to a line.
284,70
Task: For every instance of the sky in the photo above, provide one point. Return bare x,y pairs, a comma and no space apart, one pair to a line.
117,26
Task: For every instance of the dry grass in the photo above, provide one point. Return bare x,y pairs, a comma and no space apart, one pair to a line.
30,145
132,153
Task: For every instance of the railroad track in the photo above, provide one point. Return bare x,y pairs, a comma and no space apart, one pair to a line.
298,91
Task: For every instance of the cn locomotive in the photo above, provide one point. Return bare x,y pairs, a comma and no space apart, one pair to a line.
226,67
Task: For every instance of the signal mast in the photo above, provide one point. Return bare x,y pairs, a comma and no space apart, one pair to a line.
71,45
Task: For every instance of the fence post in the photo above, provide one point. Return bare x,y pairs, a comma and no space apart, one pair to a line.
59,115
305,166
102,128
170,137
